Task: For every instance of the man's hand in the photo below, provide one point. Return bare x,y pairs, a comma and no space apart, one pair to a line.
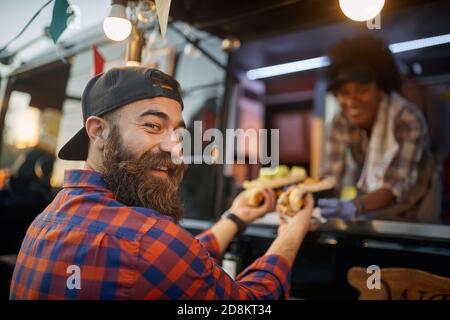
247,213
224,230
291,233
333,208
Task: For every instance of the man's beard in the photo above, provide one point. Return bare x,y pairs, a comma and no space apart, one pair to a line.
129,180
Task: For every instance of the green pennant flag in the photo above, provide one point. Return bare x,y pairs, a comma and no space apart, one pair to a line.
61,13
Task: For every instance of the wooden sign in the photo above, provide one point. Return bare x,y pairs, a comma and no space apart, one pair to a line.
400,284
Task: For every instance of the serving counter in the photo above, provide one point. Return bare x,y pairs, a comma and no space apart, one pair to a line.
327,254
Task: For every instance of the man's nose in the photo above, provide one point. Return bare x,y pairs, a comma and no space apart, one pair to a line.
168,143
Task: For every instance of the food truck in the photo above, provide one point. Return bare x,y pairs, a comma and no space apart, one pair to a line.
255,65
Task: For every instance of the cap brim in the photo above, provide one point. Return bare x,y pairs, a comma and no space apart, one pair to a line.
356,74
76,148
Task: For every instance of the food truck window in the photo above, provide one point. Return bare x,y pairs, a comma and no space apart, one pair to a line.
33,101
20,129
425,83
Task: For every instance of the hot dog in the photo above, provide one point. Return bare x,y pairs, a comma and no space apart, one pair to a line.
283,177
291,201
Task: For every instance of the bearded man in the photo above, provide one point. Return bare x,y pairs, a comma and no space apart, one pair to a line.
112,232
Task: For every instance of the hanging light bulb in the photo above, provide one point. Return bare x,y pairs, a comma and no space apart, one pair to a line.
116,26
146,11
361,10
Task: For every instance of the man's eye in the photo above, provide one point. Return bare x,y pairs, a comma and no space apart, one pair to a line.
152,126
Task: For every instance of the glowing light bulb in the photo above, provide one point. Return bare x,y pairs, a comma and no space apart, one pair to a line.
117,27
361,10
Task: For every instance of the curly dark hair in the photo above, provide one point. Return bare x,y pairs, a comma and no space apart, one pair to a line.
369,51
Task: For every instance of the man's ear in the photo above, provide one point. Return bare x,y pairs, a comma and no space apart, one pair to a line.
98,131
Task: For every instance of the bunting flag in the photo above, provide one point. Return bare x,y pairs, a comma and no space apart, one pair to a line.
99,61
162,10
61,13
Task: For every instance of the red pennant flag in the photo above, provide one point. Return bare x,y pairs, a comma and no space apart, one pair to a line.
99,62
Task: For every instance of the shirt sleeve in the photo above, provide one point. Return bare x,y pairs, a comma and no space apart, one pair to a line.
336,146
209,241
401,175
174,265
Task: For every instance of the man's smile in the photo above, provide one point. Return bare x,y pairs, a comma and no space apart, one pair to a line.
159,171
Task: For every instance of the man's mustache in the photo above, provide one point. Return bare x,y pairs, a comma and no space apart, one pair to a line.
151,160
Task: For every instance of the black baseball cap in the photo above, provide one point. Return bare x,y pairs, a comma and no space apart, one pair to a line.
114,89
359,73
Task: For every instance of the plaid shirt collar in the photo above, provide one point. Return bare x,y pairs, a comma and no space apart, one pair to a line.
92,180
79,178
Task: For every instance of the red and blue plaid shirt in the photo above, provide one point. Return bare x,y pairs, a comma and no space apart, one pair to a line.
126,252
